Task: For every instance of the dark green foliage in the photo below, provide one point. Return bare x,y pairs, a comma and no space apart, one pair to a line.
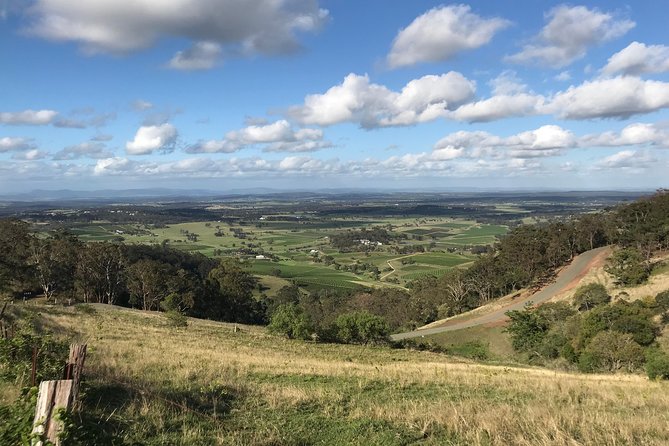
591,295
472,350
361,327
662,300
630,318
17,419
176,319
290,321
16,356
527,329
657,364
611,351
555,312
628,267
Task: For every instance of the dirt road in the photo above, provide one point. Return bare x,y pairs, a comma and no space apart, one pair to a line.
566,279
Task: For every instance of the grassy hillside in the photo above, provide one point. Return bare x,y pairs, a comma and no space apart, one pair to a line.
150,383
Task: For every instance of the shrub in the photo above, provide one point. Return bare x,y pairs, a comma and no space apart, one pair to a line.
611,351
591,295
176,319
662,300
361,327
527,329
290,321
628,267
657,364
16,356
472,350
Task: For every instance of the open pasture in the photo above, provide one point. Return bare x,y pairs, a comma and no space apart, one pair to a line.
299,245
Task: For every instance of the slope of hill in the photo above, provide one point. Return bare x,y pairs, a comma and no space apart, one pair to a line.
151,383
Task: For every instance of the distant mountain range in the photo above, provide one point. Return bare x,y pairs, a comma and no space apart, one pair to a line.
113,194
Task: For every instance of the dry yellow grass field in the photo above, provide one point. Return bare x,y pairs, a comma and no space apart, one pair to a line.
149,383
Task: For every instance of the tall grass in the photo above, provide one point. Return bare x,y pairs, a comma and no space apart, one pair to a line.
149,383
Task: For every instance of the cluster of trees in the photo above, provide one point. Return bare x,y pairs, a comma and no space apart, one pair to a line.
529,254
594,334
154,277
344,315
351,239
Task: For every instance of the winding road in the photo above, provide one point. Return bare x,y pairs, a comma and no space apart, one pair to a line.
565,280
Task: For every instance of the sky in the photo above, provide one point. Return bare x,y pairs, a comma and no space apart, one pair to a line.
308,94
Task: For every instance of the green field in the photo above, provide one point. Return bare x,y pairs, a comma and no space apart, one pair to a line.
290,243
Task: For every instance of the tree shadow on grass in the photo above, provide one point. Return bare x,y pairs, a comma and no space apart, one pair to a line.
108,419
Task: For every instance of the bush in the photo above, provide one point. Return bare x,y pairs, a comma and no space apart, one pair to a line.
611,351
361,327
628,267
591,295
527,329
176,319
662,300
290,321
472,350
16,356
657,364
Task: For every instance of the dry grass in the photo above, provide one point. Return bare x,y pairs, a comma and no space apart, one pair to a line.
247,387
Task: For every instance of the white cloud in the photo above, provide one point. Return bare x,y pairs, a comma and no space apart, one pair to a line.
113,166
28,117
563,76
11,144
200,56
250,26
636,134
441,33
637,58
626,160
373,105
499,107
89,149
548,140
278,136
30,155
569,33
619,97
149,139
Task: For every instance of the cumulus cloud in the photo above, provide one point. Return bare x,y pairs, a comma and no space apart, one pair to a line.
499,107
11,144
636,134
569,33
149,139
278,136
200,56
30,155
28,117
548,140
371,105
113,166
441,33
89,149
619,97
637,59
112,26
626,160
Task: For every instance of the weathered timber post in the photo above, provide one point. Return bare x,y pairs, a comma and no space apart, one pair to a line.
57,395
75,367
53,395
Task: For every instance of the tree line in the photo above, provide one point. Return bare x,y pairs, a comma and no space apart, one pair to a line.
150,277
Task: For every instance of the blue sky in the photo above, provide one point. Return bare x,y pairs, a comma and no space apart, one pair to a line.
286,94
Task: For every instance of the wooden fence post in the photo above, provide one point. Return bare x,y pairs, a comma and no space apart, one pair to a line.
75,367
53,395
